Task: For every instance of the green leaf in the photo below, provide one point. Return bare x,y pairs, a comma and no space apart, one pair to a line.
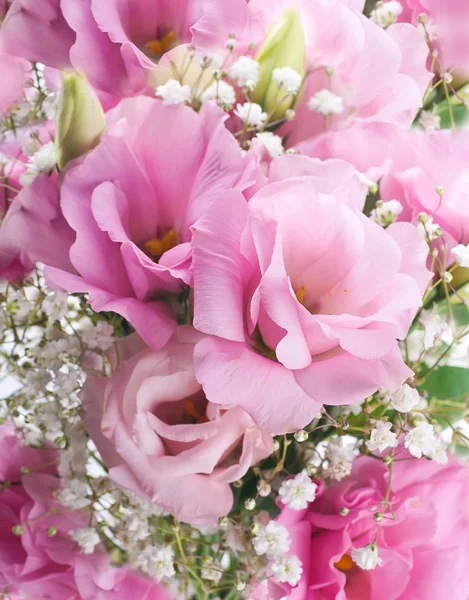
448,390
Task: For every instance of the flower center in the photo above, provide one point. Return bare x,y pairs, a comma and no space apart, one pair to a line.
157,47
156,247
300,294
190,410
345,563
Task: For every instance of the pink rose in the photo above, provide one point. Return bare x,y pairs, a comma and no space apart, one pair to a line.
37,566
160,437
132,201
423,550
342,40
411,166
303,299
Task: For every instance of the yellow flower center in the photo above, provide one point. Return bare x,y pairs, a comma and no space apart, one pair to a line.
156,247
344,564
156,48
300,294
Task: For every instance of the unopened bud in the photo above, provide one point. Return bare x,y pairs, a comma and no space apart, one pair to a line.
51,531
240,585
301,435
447,277
17,529
250,504
344,511
223,522
378,516
263,488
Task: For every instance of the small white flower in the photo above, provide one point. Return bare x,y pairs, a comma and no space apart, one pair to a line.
405,399
340,456
272,540
297,492
55,305
137,527
433,326
439,453
386,213
366,557
382,437
222,93
421,440
211,571
74,494
287,78
251,114
429,229
44,159
100,337
87,538
272,142
429,120
172,92
157,562
287,569
245,71
386,13
461,254
326,103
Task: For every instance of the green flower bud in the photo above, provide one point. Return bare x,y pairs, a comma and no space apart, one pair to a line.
284,46
80,118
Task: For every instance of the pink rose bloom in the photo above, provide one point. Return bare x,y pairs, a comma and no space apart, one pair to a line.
338,38
14,73
160,437
411,166
303,299
132,201
34,230
423,550
36,566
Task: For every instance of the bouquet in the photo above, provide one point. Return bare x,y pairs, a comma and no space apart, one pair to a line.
234,299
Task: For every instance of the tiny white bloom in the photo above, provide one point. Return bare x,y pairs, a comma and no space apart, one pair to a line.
429,120
44,159
245,71
55,305
386,213
461,253
272,540
433,326
251,114
340,456
366,557
172,92
386,13
429,229
297,492
272,142
421,440
263,488
87,538
405,399
157,562
211,571
287,569
439,453
287,78
137,527
74,494
221,92
382,437
326,103
100,337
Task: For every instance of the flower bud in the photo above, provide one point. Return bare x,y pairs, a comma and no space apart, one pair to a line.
80,118
284,46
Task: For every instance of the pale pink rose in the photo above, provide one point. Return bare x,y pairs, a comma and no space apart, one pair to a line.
423,549
342,39
303,299
36,566
411,167
34,230
132,201
160,437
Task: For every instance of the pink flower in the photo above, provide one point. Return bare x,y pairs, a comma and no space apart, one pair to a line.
38,32
303,298
14,73
447,24
422,550
34,230
344,42
160,437
425,172
132,201
37,566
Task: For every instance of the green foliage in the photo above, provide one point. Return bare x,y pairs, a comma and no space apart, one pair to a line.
448,390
